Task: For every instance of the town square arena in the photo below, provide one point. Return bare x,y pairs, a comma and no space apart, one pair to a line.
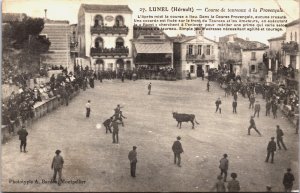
94,163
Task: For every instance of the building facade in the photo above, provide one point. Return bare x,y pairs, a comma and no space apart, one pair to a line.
59,51
195,54
290,47
104,37
254,61
152,48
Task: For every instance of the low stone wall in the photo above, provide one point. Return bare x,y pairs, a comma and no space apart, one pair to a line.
40,109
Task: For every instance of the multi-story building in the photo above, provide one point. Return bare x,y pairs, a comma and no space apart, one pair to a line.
254,60
104,36
275,52
57,31
152,47
290,47
195,54
73,43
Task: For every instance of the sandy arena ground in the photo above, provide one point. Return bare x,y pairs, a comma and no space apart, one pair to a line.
90,155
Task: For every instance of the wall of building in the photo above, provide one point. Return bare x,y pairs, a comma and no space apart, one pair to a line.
81,32
109,39
247,61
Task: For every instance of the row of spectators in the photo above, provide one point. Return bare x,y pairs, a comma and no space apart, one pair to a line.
19,107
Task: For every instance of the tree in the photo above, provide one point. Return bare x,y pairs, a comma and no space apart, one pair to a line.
21,41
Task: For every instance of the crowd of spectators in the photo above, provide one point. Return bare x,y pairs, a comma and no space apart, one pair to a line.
19,107
275,93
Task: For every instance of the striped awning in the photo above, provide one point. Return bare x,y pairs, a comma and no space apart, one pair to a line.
153,48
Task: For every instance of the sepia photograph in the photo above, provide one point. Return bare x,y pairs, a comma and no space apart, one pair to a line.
150,95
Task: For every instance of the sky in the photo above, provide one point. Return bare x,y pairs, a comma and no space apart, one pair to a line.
68,9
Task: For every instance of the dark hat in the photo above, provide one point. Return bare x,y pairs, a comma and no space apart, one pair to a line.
233,175
272,137
289,169
269,187
225,155
178,137
134,147
57,151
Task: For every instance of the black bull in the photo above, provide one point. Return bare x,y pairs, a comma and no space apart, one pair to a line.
184,118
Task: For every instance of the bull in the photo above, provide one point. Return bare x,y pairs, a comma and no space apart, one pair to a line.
180,117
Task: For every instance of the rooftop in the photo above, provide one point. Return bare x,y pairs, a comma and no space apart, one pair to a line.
295,22
97,8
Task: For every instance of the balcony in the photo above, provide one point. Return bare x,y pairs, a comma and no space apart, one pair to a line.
109,52
109,30
200,57
290,47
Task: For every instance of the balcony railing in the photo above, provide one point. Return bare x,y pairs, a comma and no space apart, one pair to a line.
109,52
200,57
109,30
290,47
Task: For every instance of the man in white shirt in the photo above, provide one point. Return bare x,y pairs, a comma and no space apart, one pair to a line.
88,108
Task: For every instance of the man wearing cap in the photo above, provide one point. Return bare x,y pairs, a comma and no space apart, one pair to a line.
271,149
233,185
224,166
57,165
23,137
177,149
279,134
88,108
256,109
288,180
252,125
133,160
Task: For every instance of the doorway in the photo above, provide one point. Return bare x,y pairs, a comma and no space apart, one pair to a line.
199,70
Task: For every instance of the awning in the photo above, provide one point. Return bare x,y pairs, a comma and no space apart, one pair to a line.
153,48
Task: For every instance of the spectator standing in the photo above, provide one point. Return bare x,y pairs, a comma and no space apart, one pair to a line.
218,105
88,108
288,180
256,108
271,149
149,88
57,165
224,166
177,150
234,105
207,86
219,185
279,134
233,185
132,156
23,138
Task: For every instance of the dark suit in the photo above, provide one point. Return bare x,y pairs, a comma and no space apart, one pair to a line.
271,149
23,137
132,156
279,133
256,109
177,149
57,165
106,123
252,125
115,134
234,105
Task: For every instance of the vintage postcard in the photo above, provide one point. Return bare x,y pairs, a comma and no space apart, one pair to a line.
150,96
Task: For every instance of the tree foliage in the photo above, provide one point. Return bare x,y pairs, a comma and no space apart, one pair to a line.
22,45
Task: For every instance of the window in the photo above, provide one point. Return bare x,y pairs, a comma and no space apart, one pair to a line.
119,21
252,69
190,50
295,36
253,56
291,36
119,42
192,69
99,42
199,49
98,21
208,50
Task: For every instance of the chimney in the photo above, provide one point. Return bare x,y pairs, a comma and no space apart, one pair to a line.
45,14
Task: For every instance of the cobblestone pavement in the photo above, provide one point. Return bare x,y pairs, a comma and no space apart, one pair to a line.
90,155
